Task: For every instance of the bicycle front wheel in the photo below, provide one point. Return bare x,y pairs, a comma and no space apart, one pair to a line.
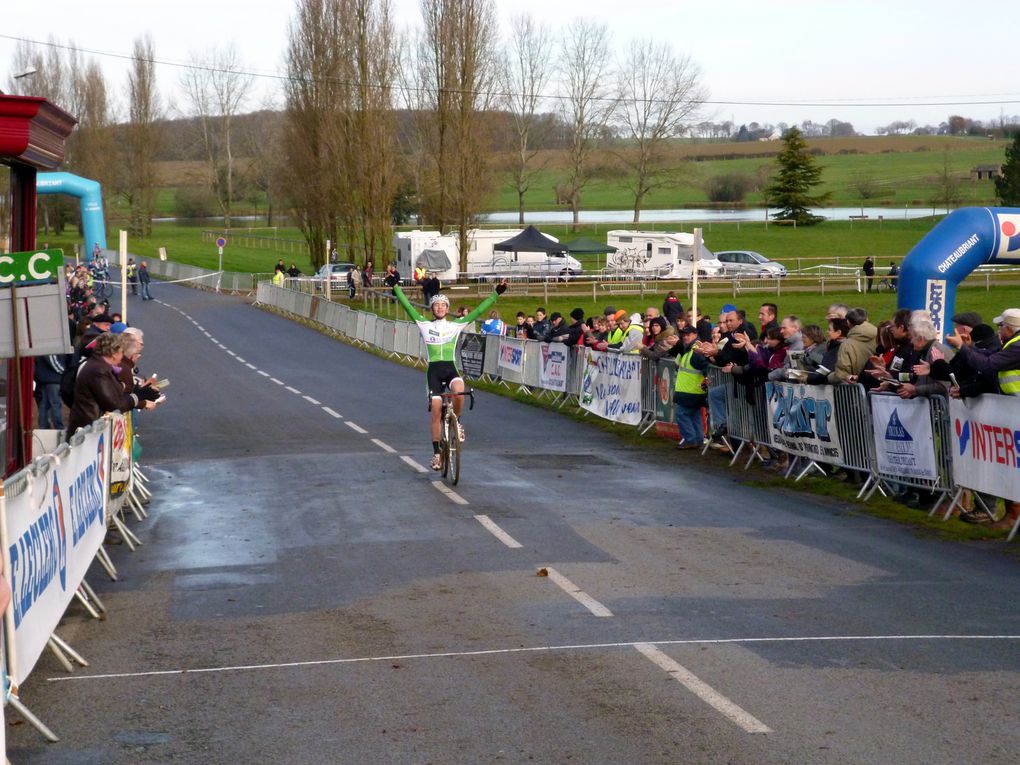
444,447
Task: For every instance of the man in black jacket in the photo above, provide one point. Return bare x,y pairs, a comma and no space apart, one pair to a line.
724,355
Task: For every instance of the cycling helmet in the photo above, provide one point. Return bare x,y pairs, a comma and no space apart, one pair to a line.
439,299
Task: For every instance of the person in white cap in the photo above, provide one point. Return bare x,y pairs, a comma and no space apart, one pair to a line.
1007,363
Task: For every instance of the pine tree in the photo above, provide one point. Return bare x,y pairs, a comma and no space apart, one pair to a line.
796,175
1007,185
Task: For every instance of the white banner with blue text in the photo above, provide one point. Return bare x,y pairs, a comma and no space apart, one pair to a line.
904,444
611,386
802,421
54,528
511,355
986,444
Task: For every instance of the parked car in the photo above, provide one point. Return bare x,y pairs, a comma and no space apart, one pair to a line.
338,273
748,263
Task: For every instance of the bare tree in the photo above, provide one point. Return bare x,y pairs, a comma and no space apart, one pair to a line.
588,104
216,89
525,74
143,134
450,83
659,93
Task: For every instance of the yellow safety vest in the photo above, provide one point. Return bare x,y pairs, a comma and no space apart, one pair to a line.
641,333
1009,379
615,337
688,379
278,278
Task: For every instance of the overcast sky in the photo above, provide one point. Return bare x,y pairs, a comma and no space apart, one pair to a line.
760,61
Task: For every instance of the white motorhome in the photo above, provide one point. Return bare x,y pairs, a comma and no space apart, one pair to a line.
437,252
661,254
484,260
441,253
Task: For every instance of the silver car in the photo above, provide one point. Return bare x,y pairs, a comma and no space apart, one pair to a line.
747,263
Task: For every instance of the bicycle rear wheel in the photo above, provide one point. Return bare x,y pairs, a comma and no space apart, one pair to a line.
454,452
444,447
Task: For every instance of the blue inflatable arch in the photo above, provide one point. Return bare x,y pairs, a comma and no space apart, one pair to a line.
965,239
90,195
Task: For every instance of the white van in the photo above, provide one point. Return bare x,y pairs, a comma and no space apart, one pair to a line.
659,254
484,260
437,252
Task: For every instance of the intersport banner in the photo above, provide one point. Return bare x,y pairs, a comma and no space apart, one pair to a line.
904,443
53,530
611,386
802,421
553,364
986,444
511,355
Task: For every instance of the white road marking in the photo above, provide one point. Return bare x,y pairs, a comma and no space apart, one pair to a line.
311,400
213,339
264,374
329,411
278,382
239,359
230,352
420,468
201,327
497,532
295,391
703,690
356,428
508,651
206,334
384,446
221,345
577,593
251,366
442,488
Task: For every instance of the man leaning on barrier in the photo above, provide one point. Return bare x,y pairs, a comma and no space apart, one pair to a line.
857,349
689,392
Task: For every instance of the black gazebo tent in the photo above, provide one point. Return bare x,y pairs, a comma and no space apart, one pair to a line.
530,240
586,246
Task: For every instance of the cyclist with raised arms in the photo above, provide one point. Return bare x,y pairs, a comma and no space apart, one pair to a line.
440,334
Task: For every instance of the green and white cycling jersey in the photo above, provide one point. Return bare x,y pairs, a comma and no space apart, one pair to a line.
440,335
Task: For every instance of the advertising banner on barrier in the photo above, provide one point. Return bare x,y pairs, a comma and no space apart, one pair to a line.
472,355
802,421
665,382
120,458
611,386
986,444
552,374
53,530
511,354
904,443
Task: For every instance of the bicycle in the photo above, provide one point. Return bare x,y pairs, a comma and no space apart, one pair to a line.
102,287
450,445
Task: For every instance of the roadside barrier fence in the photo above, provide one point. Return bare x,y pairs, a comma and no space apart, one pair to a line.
892,443
55,515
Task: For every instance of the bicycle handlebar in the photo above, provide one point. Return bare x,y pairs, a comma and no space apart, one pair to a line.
469,393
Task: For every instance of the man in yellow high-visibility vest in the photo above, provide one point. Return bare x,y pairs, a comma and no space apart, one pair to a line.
689,396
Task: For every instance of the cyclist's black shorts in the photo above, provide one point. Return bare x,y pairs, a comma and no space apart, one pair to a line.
440,374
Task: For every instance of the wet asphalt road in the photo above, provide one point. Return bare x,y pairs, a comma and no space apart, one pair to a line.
342,610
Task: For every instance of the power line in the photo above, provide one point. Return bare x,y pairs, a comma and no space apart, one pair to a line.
990,99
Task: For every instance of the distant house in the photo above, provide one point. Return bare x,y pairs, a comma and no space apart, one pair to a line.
985,172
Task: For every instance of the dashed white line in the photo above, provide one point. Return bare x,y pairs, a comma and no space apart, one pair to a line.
239,359
311,400
577,593
264,374
332,413
420,468
278,382
356,428
230,352
200,327
295,391
497,532
213,339
384,446
703,690
251,366
206,333
221,345
442,488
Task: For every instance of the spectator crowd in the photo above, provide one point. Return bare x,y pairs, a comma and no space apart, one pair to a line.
900,355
